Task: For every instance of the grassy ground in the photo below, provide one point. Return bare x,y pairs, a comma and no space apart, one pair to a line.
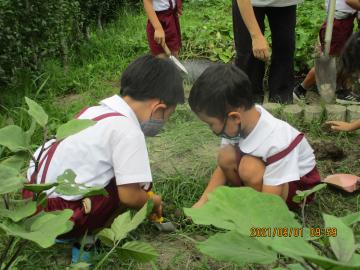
183,157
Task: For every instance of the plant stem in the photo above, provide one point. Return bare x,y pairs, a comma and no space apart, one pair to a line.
13,258
310,264
6,201
303,212
6,250
42,148
107,255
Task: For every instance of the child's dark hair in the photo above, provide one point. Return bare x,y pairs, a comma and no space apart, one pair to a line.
350,59
219,89
152,77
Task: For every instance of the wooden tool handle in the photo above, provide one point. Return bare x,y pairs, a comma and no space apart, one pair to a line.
166,49
329,26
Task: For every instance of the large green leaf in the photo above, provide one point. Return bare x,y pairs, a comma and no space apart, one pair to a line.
343,245
351,218
7,172
236,248
66,185
13,137
12,184
139,251
301,194
326,263
107,236
37,188
30,132
37,112
72,127
19,213
243,209
124,224
121,226
42,228
9,179
16,161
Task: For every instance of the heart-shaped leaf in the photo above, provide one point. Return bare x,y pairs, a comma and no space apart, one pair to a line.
37,112
19,213
72,127
42,228
139,251
14,138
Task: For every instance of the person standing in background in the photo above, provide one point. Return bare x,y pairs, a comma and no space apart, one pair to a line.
163,27
252,49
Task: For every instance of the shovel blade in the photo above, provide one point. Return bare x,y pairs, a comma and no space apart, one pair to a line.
165,227
178,64
325,74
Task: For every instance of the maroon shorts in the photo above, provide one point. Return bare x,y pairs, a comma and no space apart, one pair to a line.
342,30
170,23
102,209
307,181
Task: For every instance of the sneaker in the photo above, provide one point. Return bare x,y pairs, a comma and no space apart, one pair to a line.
85,254
299,93
347,97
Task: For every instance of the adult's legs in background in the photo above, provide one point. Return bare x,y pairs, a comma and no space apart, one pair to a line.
282,21
245,59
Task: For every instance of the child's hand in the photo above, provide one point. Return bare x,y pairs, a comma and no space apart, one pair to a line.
159,36
340,125
157,208
200,202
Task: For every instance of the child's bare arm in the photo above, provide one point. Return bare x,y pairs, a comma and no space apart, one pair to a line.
133,196
259,43
344,126
159,34
217,179
355,4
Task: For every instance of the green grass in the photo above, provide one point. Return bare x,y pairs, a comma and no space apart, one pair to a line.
184,156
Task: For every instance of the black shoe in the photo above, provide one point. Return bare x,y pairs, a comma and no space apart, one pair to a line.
299,93
347,97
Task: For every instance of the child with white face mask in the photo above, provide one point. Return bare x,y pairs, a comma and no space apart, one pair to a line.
113,153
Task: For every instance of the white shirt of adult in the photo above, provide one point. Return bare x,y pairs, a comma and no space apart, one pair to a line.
275,3
269,137
160,5
113,147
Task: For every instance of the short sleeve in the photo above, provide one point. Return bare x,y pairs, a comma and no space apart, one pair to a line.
283,171
131,161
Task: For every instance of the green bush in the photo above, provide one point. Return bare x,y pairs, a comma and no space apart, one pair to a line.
33,30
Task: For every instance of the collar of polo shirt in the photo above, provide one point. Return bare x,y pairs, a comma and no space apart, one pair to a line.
264,127
117,104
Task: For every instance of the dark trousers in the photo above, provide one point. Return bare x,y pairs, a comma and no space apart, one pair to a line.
282,21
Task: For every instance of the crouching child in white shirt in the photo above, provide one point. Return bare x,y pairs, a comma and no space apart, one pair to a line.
258,150
112,153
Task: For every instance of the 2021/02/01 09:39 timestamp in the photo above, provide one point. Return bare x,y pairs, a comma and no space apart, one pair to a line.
291,232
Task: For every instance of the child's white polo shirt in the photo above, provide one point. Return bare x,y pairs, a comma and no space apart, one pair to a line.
269,137
160,5
114,146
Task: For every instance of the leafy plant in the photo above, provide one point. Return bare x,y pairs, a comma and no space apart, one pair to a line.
23,220
119,229
240,211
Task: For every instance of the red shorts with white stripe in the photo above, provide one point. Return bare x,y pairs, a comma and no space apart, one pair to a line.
103,208
170,23
307,181
342,30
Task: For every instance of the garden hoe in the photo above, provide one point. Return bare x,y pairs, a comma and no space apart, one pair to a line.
325,65
174,59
